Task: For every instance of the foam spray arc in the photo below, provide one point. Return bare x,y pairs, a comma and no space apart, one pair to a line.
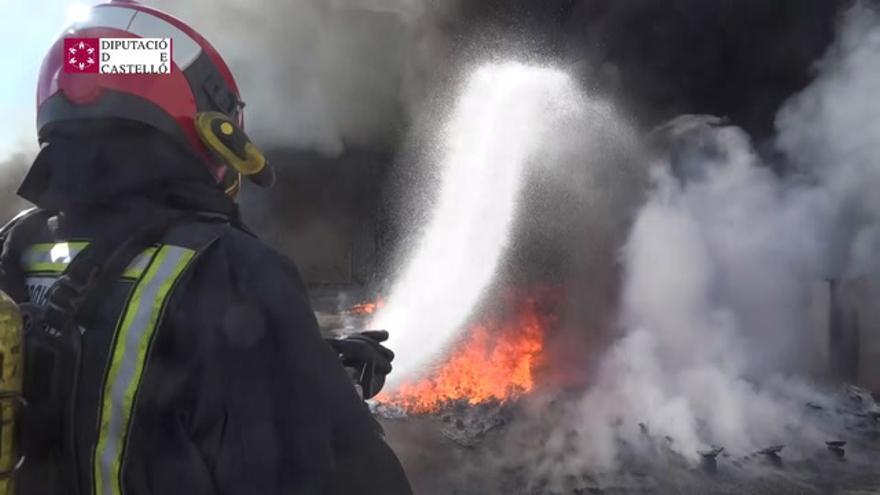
501,116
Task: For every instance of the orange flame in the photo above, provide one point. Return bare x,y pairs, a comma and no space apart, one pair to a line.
495,362
366,308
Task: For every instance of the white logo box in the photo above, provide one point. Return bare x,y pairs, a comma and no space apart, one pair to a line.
135,55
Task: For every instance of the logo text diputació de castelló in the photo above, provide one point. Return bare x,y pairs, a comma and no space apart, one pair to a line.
117,55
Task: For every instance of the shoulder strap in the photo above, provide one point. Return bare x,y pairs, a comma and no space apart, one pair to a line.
92,273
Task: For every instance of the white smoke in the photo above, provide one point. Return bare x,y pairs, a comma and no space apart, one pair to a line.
717,287
718,269
832,129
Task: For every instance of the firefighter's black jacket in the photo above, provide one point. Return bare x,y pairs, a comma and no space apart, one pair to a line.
233,390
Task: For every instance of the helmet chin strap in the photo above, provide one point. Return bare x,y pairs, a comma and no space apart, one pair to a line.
229,142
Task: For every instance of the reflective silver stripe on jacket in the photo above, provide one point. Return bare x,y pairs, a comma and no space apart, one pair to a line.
139,320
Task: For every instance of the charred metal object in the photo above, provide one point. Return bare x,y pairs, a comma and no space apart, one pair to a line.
711,453
710,459
772,450
837,447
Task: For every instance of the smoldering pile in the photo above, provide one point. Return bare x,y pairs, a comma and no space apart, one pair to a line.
485,449
707,385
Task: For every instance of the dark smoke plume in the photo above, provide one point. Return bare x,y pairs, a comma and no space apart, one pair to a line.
739,60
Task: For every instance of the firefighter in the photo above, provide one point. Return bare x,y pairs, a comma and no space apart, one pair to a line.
168,350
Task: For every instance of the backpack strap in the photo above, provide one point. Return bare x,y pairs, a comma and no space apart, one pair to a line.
92,273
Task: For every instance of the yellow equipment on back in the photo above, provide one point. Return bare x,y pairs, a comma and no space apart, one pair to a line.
11,367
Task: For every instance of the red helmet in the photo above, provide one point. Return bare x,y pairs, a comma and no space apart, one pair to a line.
197,96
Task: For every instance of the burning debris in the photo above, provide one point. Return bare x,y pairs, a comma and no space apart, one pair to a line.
493,364
366,308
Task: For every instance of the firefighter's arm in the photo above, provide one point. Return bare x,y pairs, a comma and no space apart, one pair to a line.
361,462
291,419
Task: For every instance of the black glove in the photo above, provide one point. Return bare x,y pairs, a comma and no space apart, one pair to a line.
365,358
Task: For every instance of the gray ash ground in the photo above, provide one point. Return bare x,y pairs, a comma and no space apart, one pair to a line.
463,424
461,451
